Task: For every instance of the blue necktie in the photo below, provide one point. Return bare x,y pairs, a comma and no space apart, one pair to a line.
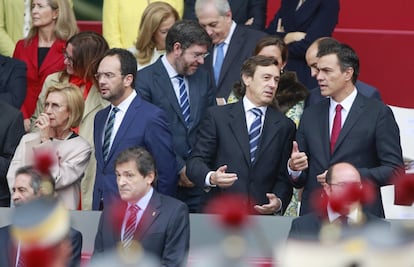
130,226
219,61
184,102
254,132
108,132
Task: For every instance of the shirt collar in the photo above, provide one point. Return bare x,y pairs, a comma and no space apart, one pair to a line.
248,105
123,106
232,28
172,73
144,201
333,215
346,103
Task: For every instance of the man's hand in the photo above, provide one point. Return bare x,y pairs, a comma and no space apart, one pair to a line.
274,205
298,160
183,180
321,178
294,37
249,21
221,178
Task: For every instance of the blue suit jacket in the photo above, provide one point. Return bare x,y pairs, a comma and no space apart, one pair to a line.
242,45
144,125
317,18
363,88
8,251
154,85
369,140
164,230
12,81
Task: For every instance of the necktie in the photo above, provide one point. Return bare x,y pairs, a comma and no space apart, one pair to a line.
219,61
108,132
343,220
130,226
336,128
184,102
254,132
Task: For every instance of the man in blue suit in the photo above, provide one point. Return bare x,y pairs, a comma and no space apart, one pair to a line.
315,95
128,122
233,44
186,44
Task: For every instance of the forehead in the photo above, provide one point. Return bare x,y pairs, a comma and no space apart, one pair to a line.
110,64
43,2
271,51
267,70
22,180
197,48
208,14
328,61
345,173
56,97
128,166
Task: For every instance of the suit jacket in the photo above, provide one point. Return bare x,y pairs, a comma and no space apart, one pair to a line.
11,130
143,125
163,230
36,75
8,251
93,103
12,81
241,47
72,157
154,85
317,18
223,140
308,226
241,10
363,88
369,140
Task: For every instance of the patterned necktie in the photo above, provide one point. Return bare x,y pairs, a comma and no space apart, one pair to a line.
219,61
336,128
254,132
184,102
130,226
343,220
108,132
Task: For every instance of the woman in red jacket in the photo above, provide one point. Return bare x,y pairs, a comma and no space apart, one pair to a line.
53,22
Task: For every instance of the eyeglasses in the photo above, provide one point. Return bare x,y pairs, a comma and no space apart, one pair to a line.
53,106
66,56
343,184
106,75
199,55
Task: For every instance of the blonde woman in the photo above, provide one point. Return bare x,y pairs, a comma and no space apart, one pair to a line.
156,20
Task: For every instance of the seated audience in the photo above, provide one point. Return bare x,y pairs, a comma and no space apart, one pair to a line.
28,186
158,223
157,19
70,153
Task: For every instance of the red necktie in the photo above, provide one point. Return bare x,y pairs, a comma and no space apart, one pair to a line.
336,128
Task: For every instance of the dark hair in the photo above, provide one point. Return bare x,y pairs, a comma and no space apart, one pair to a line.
187,33
88,49
249,68
347,57
36,178
273,40
127,60
143,159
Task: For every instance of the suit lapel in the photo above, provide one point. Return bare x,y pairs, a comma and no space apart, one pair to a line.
322,120
239,128
93,101
194,96
149,216
353,116
99,129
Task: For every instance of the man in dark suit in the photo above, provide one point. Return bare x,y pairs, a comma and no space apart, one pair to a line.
232,44
251,13
315,95
244,147
11,131
344,127
186,44
129,121
338,177
29,185
158,222
12,81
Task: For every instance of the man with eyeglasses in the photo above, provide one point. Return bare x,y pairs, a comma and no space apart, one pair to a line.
339,177
128,122
176,84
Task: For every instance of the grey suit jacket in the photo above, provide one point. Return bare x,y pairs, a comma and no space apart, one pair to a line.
369,140
223,140
241,47
154,85
163,230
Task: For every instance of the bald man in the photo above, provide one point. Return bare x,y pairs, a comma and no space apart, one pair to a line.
312,60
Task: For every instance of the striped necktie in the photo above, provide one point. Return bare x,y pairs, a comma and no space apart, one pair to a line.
184,101
108,132
254,132
130,226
